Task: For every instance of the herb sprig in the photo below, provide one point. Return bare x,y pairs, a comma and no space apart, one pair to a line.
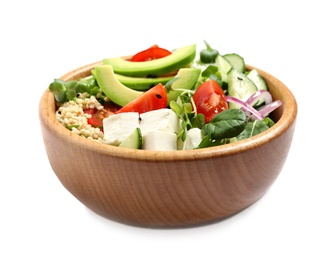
67,90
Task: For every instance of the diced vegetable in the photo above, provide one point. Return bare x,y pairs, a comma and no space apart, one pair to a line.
210,99
236,61
134,140
154,98
97,116
239,86
151,53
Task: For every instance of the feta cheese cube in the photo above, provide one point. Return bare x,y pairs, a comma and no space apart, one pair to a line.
193,138
159,140
119,126
162,119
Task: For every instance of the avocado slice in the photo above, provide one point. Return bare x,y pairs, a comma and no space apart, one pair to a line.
138,83
186,78
179,58
112,87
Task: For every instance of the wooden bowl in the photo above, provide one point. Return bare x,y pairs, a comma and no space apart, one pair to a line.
168,188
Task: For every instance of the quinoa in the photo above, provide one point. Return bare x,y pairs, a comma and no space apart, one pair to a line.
71,115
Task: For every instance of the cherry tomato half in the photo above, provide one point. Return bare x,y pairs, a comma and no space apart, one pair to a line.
97,116
152,99
210,99
152,53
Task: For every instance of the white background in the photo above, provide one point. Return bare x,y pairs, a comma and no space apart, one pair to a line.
42,40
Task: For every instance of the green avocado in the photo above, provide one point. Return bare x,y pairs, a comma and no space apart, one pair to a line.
138,83
186,78
112,87
179,58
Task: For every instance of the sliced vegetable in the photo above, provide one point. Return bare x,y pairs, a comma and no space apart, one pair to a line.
245,107
112,87
239,86
263,95
261,112
209,99
152,53
269,108
223,66
154,98
97,116
236,61
134,140
179,58
257,79
186,79
142,84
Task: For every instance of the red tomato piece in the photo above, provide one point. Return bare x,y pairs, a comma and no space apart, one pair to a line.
210,99
153,99
152,53
97,116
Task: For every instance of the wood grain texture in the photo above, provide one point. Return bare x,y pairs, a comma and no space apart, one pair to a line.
169,188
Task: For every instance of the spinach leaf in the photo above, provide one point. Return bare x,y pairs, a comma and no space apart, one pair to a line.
227,124
207,141
212,72
255,127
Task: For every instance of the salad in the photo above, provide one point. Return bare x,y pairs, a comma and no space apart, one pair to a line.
160,99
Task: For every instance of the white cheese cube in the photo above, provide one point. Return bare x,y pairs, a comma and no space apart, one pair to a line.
193,138
119,126
159,140
161,119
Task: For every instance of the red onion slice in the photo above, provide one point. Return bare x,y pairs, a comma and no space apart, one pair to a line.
267,109
258,95
246,107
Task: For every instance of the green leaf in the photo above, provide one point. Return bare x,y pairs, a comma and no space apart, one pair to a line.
209,70
198,121
176,107
207,141
187,108
217,78
71,89
269,122
58,89
227,124
253,128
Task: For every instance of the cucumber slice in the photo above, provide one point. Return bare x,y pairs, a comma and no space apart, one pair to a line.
239,86
236,61
257,79
259,82
223,66
134,140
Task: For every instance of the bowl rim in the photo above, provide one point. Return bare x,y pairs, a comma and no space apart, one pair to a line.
287,119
